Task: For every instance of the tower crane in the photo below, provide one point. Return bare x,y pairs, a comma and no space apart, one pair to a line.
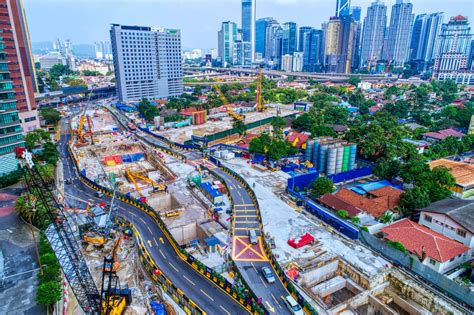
230,110
260,105
61,237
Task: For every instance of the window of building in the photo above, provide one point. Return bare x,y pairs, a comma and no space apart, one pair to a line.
428,218
461,232
432,261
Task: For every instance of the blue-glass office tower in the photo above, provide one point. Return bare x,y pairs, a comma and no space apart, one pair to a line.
313,50
356,13
302,32
248,23
261,35
343,7
289,39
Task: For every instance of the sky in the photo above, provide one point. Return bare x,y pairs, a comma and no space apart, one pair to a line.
86,21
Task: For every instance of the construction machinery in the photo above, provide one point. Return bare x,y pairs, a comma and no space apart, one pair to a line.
61,237
230,110
133,176
260,105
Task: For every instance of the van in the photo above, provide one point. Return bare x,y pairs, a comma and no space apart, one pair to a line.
253,237
99,194
293,306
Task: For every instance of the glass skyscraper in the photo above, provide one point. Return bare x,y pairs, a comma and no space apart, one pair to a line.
303,31
399,32
426,29
373,34
289,38
248,23
313,50
261,34
343,7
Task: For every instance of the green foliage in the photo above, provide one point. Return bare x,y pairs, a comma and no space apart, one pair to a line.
54,85
50,115
302,122
271,148
239,125
36,137
321,131
355,220
10,178
321,186
365,229
387,169
57,71
446,89
147,110
354,80
48,293
90,73
74,82
343,214
278,123
397,245
50,154
392,91
387,217
175,117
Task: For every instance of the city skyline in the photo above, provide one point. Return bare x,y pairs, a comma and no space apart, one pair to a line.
46,23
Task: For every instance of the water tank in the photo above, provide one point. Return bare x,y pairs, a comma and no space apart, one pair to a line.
315,157
309,150
323,150
352,156
345,158
331,161
339,157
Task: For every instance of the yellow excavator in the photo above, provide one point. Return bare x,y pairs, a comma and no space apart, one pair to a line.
133,176
230,110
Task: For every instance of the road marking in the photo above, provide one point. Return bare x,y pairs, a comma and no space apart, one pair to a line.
161,240
155,242
276,301
224,309
141,219
210,298
149,243
188,280
263,282
175,269
150,231
270,307
164,256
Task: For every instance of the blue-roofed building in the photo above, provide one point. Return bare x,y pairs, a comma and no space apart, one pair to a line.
213,244
365,188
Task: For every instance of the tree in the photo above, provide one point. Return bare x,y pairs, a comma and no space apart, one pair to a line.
89,73
278,123
48,293
59,70
321,186
397,245
387,169
355,220
322,131
239,125
36,137
354,80
50,115
302,122
413,199
261,144
357,99
342,214
147,110
11,178
74,82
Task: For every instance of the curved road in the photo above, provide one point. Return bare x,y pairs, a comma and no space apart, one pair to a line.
204,293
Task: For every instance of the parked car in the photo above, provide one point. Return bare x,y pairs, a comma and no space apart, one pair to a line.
253,237
268,274
293,306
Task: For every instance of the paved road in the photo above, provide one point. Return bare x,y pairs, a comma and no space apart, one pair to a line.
204,293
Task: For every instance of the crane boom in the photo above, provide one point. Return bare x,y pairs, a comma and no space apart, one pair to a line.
260,105
229,108
60,235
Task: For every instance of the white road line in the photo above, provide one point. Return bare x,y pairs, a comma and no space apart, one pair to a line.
224,309
162,254
175,269
189,280
210,298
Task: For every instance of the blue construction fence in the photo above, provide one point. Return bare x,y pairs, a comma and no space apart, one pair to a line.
301,182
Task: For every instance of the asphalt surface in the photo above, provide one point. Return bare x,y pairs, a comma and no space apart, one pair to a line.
204,293
272,294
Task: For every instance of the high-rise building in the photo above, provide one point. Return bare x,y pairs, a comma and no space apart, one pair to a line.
273,43
14,31
103,50
356,13
399,32
313,50
147,62
289,38
471,57
249,12
373,34
287,63
242,53
303,31
298,61
453,46
426,30
261,35
342,7
226,39
18,112
53,58
339,44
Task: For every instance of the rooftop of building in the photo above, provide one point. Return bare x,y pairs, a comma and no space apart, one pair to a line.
459,210
421,241
443,134
463,173
337,204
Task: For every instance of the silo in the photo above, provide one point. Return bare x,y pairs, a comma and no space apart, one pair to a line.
315,157
345,158
331,161
309,150
339,157
323,151
352,156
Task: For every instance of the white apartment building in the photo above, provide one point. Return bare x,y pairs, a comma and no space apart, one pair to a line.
147,62
287,63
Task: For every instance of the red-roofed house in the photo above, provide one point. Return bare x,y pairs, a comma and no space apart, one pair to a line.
433,249
297,139
336,204
442,134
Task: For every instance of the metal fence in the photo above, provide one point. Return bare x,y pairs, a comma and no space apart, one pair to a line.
446,285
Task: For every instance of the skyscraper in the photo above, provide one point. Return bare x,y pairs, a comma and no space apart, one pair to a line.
261,34
303,31
289,39
342,7
226,39
399,32
17,83
356,13
273,44
298,61
426,30
313,51
453,46
242,53
373,34
248,23
339,44
147,62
